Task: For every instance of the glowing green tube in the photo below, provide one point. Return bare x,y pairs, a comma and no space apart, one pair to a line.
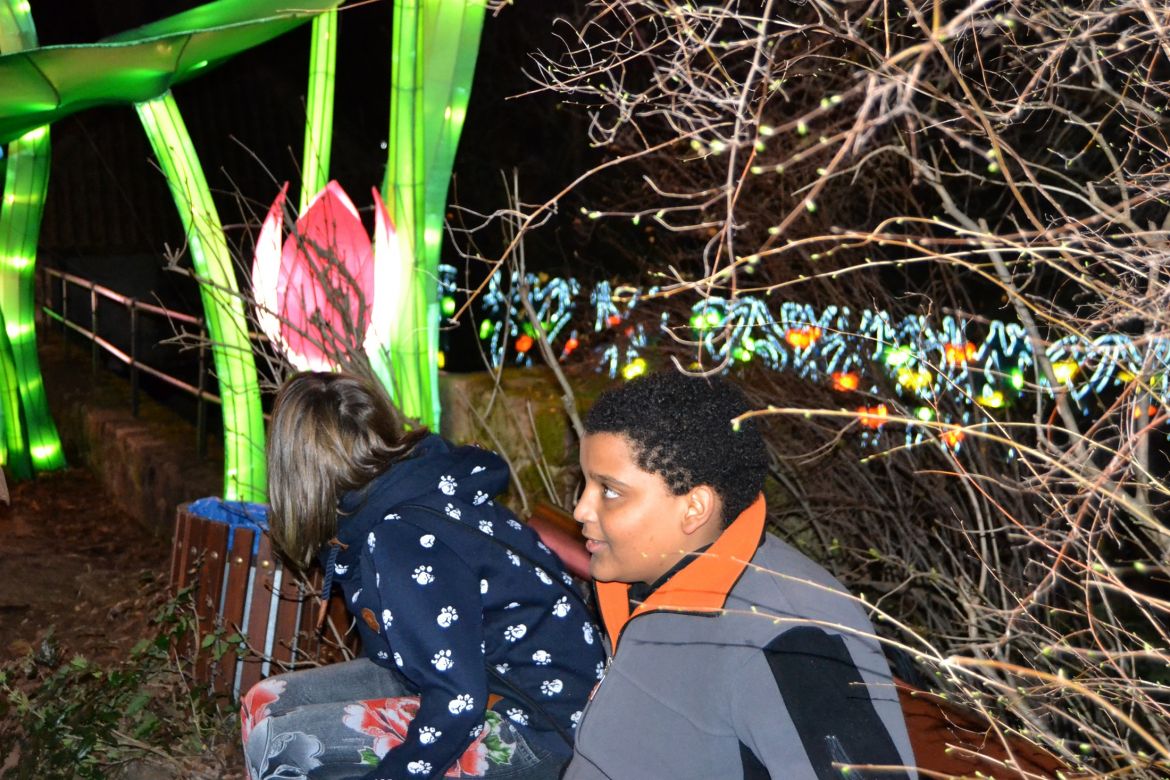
319,108
432,62
15,449
235,365
26,179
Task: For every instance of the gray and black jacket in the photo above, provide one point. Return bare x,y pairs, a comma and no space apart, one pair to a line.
749,661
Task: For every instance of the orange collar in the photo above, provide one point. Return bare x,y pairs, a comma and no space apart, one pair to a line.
700,586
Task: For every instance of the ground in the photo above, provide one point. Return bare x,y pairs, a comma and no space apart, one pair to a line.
83,579
74,565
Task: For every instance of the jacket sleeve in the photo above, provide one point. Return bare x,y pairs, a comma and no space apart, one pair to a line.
431,614
802,705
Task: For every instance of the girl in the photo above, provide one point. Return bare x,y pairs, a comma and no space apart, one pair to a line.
479,651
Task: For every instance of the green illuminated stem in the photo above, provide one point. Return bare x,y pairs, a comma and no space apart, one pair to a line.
26,180
319,108
432,62
235,365
16,457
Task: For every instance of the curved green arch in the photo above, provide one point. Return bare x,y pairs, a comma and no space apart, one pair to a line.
39,85
42,85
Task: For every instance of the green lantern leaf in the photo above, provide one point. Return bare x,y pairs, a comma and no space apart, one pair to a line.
41,85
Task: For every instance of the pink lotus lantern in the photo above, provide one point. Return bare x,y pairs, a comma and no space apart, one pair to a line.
324,291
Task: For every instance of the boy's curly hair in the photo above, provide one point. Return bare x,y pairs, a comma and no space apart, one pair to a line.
679,427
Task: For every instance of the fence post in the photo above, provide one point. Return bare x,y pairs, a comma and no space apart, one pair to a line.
65,309
200,404
134,357
93,327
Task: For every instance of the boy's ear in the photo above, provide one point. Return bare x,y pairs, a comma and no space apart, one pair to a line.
703,510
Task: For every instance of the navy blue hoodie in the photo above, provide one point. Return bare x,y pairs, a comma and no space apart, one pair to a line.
450,589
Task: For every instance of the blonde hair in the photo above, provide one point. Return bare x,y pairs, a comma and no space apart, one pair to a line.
330,434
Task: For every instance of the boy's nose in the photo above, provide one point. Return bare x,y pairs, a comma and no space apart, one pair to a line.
582,512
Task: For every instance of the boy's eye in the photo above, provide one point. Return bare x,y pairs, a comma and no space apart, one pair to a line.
608,492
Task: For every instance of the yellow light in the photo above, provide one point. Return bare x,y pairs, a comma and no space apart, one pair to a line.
19,262
441,359
18,330
35,134
431,236
992,399
1065,370
914,379
635,368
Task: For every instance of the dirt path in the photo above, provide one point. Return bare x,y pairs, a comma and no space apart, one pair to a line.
73,564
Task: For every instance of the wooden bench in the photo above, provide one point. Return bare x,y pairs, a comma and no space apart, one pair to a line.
240,587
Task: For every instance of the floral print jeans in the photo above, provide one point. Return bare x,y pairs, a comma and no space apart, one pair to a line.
336,722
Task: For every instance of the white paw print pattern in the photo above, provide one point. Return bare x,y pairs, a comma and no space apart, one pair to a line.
515,633
565,578
383,655
517,715
561,608
428,734
477,469
480,497
514,558
483,587
341,569
418,767
393,516
599,670
487,528
377,580
460,704
475,732
427,540
514,523
452,511
552,687
587,631
371,541
398,660
576,718
512,605
353,599
387,619
541,658
447,616
543,546
542,575
502,668
447,485
423,575
442,660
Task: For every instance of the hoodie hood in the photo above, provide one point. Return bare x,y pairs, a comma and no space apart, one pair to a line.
435,470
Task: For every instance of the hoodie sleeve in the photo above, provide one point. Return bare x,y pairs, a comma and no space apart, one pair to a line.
431,614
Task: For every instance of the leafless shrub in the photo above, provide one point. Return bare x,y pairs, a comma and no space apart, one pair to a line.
985,159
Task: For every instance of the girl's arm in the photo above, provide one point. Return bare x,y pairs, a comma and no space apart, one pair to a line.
431,615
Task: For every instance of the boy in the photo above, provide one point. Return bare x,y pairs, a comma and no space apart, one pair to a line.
733,655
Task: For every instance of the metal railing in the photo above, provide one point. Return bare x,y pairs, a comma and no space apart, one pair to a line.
54,279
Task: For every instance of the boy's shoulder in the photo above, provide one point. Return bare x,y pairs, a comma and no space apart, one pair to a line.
787,586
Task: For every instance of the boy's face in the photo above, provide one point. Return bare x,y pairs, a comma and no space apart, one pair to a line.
631,520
